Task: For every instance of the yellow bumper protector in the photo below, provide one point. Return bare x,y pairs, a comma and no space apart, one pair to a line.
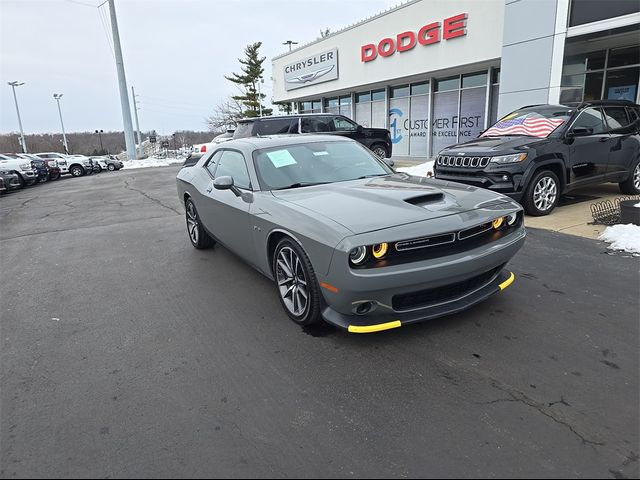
507,282
374,328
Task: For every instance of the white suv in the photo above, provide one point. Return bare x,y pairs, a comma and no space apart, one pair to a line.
76,166
26,173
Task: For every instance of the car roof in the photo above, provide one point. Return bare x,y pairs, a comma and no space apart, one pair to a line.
282,140
292,116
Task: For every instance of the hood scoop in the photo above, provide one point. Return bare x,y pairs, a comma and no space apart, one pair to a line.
422,200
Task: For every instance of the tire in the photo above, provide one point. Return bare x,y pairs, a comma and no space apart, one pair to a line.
22,182
76,171
99,169
46,179
294,278
54,177
111,167
380,151
199,238
631,186
542,194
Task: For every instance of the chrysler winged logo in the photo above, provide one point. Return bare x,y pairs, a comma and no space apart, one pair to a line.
311,76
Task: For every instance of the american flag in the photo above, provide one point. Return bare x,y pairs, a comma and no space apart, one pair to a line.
526,125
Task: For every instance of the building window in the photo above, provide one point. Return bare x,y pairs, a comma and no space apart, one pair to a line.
398,92
447,84
603,74
370,108
409,119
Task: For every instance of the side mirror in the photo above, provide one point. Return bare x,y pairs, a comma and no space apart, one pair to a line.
226,183
389,162
359,129
580,132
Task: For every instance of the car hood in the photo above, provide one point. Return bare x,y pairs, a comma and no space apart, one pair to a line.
377,203
494,145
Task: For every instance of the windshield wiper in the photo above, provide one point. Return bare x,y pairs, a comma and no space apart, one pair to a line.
372,175
301,184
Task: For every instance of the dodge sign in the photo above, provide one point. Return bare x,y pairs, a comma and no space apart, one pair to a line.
311,70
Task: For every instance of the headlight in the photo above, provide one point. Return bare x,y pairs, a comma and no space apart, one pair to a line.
498,222
25,166
515,158
358,255
379,250
512,218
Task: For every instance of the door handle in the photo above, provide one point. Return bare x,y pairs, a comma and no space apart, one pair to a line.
603,139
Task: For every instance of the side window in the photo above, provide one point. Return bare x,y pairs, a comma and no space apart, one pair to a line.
341,124
213,162
272,127
617,118
315,124
634,114
590,118
232,163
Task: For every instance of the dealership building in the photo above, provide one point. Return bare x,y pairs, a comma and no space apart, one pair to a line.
438,72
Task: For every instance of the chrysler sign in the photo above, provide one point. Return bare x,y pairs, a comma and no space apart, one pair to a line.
311,70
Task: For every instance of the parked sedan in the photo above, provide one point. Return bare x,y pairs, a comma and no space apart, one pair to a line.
345,238
106,163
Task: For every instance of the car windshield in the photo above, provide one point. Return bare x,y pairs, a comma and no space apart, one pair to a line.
530,122
302,165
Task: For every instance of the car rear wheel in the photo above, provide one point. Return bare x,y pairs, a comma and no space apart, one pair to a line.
296,283
76,171
111,167
543,194
631,186
200,239
380,151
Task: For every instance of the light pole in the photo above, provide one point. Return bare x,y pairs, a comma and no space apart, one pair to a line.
13,86
58,96
100,132
260,80
290,42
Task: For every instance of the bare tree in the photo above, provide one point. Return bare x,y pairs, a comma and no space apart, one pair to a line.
225,115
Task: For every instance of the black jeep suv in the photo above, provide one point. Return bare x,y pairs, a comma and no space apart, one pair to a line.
540,152
378,140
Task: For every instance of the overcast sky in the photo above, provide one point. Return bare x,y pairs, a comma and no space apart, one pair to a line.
175,52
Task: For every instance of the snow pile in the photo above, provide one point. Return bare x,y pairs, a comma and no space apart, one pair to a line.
152,162
622,237
422,170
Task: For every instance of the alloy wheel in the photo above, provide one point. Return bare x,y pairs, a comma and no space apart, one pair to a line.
380,152
545,193
636,177
192,223
111,167
292,282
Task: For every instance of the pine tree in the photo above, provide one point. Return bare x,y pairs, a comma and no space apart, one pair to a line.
248,81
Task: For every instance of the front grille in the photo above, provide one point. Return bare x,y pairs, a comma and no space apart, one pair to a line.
446,293
424,242
462,161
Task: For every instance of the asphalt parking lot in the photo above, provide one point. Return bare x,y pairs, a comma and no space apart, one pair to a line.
126,352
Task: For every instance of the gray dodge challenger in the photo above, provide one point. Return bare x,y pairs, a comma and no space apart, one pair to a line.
345,238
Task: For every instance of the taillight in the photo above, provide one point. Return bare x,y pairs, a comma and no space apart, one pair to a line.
203,149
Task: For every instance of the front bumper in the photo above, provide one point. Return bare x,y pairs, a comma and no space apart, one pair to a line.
415,292
358,324
30,176
504,179
11,182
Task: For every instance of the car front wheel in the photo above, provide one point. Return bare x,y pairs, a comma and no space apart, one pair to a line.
380,151
543,194
111,167
631,186
200,239
76,171
296,283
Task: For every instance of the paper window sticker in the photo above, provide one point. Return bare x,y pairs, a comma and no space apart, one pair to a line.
281,158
